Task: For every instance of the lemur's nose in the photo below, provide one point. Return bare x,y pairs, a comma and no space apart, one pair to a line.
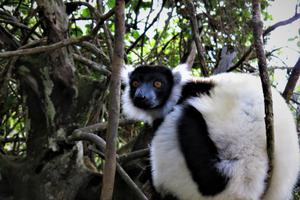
140,95
140,98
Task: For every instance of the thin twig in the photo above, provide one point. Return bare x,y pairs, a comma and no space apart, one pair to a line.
102,69
40,49
108,39
262,64
133,155
148,27
101,126
248,52
63,43
97,51
281,23
17,24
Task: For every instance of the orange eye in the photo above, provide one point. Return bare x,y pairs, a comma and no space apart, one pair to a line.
135,83
157,84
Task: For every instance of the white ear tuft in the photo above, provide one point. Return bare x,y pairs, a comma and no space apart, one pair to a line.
125,73
182,73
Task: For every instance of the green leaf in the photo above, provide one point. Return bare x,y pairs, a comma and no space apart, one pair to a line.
135,34
111,3
85,13
88,28
76,31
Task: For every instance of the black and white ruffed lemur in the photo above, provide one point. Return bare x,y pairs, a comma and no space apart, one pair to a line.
210,141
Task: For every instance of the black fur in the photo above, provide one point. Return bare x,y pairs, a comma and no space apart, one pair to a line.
195,88
200,152
146,96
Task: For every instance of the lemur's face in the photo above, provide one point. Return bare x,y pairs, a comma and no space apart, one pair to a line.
150,86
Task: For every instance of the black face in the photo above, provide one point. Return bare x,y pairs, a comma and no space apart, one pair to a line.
150,86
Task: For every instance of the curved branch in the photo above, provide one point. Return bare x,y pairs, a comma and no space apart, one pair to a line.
60,44
79,135
266,32
14,23
146,29
291,84
281,23
92,64
40,49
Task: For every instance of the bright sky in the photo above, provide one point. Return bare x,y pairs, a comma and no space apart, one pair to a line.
282,10
290,52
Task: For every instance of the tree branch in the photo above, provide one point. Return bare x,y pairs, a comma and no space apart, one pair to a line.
266,32
14,23
102,126
60,44
114,103
92,64
227,57
262,64
44,48
281,23
291,84
79,135
196,35
97,51
146,29
107,33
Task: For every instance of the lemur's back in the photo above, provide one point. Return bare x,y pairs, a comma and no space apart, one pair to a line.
211,142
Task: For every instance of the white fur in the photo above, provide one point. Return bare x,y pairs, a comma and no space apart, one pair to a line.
125,73
234,113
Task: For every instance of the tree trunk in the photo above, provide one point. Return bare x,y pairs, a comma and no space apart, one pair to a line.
52,168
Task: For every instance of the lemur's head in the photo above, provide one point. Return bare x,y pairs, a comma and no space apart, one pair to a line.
150,87
152,91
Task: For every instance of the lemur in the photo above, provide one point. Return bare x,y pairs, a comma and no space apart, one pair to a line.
209,141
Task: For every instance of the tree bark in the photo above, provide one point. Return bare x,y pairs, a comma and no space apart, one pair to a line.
292,81
196,35
262,64
114,103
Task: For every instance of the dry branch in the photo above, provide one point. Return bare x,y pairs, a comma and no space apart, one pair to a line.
291,84
114,103
196,35
101,126
14,23
247,53
281,23
107,33
262,64
79,135
101,68
97,51
60,44
40,49
133,45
